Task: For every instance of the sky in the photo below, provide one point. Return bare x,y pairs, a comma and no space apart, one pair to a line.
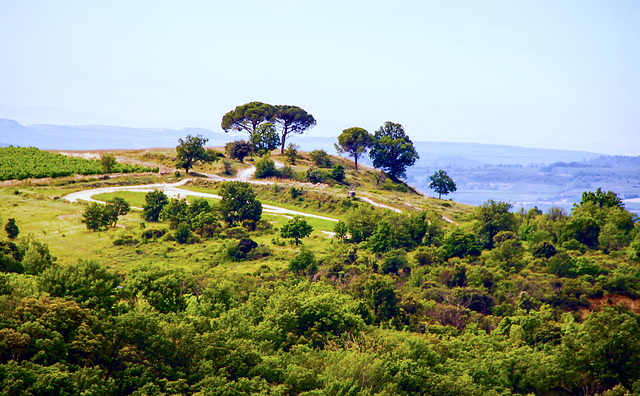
548,74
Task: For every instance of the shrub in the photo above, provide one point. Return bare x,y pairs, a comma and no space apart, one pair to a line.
315,175
320,158
305,261
291,153
265,167
286,172
239,251
183,232
337,172
153,233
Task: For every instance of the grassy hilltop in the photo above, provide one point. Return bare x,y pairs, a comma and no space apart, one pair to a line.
391,293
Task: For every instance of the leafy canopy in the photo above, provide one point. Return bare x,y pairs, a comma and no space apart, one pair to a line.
442,183
292,120
191,150
238,203
248,117
392,150
354,142
296,228
265,138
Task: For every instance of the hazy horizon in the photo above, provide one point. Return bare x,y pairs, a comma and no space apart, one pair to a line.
544,74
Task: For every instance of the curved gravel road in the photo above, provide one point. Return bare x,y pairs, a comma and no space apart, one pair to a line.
173,191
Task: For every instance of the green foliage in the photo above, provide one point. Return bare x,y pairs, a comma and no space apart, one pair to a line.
291,153
183,232
176,211
87,283
304,262
31,163
265,138
191,151
94,217
292,120
354,142
493,217
248,117
11,228
315,175
337,173
265,167
37,257
341,230
441,183
459,243
320,158
296,228
601,199
107,161
239,150
154,202
238,203
392,150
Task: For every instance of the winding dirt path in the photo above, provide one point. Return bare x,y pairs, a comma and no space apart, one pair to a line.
173,191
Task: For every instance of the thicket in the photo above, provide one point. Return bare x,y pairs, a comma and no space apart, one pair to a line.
30,163
404,304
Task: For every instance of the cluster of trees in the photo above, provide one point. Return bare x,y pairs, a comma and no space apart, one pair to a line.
98,216
260,121
401,304
29,163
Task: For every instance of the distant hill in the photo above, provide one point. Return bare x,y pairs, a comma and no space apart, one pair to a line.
521,175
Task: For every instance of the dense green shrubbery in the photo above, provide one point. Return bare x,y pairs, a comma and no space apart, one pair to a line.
400,305
30,163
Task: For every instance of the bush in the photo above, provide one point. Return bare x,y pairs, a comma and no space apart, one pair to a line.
239,251
153,233
291,153
125,240
265,167
320,158
315,175
183,232
286,172
305,261
337,172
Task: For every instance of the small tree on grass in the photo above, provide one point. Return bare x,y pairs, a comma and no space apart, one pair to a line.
107,161
296,228
12,229
442,183
154,202
191,150
291,153
94,217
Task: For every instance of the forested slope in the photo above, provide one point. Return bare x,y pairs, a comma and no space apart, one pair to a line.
210,298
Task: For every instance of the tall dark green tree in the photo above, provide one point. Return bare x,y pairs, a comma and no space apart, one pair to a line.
292,120
248,117
442,183
191,151
392,150
354,142
12,229
153,204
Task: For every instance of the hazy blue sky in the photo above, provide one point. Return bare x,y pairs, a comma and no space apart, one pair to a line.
556,74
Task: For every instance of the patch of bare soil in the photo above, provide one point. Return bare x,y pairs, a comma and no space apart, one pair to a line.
62,217
612,300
